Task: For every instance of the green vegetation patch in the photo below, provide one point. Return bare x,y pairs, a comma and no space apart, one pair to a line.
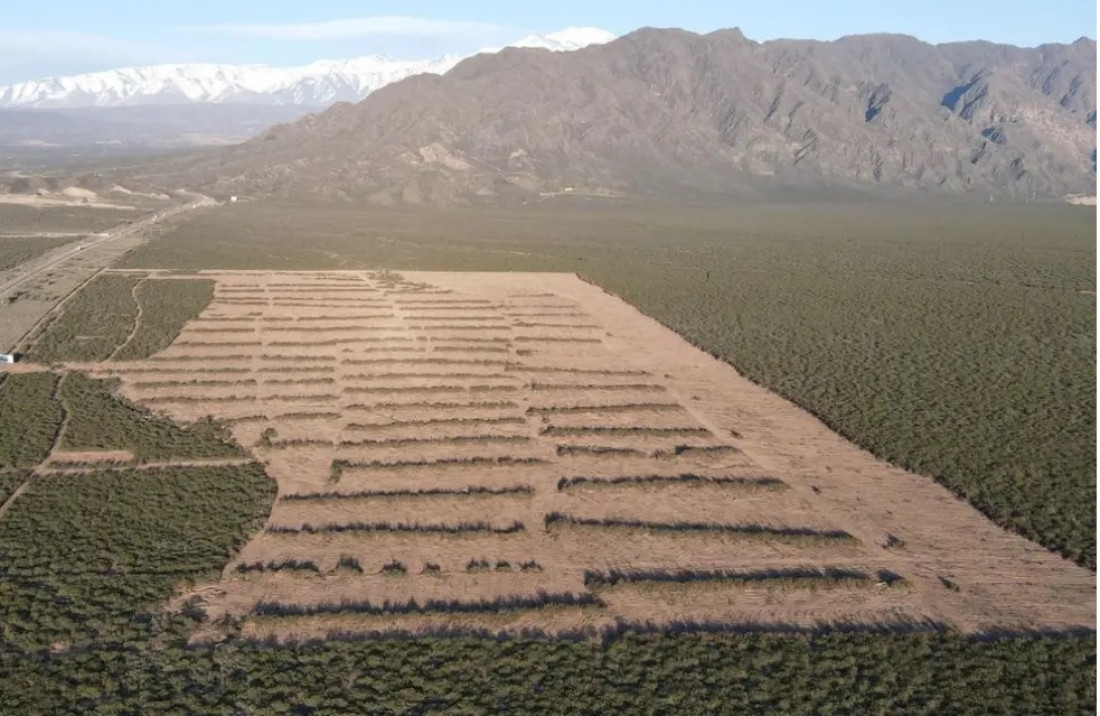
166,305
10,480
17,249
101,420
690,673
29,418
88,559
95,322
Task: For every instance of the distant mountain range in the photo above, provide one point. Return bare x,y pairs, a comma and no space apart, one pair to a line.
138,109
669,112
319,84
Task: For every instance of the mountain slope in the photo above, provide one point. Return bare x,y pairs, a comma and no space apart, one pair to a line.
660,111
315,85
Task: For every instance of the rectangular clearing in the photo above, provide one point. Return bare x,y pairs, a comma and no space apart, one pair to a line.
513,451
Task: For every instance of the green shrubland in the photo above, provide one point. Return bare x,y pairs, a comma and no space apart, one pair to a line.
99,419
166,305
88,560
29,418
92,324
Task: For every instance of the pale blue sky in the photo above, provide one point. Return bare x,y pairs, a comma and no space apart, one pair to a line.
65,36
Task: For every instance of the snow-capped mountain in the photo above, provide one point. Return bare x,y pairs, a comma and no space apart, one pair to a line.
315,85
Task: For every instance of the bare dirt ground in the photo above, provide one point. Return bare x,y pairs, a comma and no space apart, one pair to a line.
495,436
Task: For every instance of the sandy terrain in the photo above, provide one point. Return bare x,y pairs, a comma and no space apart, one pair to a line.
464,425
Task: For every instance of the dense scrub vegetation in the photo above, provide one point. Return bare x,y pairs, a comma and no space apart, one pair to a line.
166,305
14,250
690,673
101,420
797,577
10,480
542,600
87,559
103,319
956,341
788,534
95,321
29,418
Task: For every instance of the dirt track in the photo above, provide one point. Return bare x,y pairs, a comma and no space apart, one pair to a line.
486,390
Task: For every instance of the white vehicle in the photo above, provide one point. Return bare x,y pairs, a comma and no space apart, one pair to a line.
7,357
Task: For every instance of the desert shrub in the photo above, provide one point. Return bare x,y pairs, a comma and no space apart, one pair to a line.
448,440
100,420
290,565
29,418
339,466
436,421
468,491
601,450
415,527
349,562
744,483
794,534
542,600
805,577
604,408
639,387
578,430
394,568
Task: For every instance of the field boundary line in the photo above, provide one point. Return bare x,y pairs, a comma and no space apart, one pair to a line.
37,470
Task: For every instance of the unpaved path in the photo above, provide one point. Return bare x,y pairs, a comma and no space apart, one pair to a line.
13,497
137,320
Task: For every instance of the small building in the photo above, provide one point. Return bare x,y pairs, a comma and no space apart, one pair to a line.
7,357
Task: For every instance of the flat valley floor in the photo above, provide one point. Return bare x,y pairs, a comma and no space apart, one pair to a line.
510,451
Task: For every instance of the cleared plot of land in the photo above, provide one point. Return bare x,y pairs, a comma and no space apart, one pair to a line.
954,341
589,473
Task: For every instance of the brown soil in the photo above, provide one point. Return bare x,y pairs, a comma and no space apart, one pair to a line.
90,456
494,381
